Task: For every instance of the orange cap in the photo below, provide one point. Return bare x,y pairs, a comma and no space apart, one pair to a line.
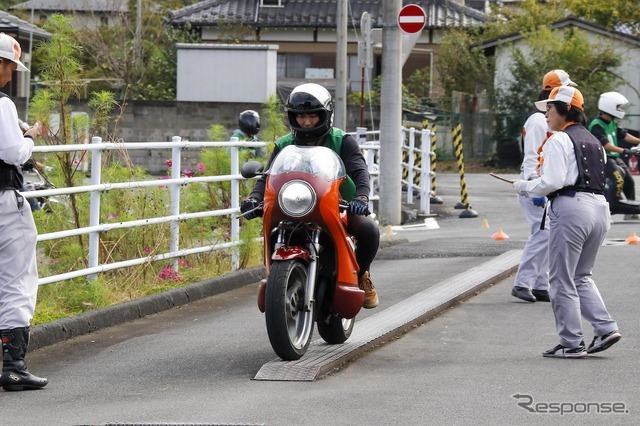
556,78
565,94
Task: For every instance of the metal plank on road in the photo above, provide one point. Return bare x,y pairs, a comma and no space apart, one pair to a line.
322,358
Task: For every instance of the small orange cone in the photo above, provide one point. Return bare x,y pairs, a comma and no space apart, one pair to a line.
500,235
632,239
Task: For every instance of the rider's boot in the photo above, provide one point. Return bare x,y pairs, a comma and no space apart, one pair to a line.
15,376
370,294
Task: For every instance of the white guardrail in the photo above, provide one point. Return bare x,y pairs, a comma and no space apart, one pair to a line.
371,151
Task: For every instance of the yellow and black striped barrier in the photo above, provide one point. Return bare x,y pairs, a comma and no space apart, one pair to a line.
434,199
456,133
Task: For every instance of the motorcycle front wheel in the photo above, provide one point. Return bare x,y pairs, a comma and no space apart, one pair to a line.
289,325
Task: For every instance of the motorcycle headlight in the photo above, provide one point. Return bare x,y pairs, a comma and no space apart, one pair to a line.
297,198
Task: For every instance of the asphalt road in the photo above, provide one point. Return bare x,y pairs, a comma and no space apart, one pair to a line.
194,364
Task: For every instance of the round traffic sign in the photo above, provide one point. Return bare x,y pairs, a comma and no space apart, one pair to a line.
412,19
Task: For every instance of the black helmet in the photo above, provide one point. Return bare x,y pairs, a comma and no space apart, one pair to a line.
310,98
249,122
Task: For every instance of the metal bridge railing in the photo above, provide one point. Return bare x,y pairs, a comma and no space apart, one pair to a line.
96,148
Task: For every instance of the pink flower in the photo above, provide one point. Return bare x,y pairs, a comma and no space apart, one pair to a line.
147,249
169,273
200,167
112,216
169,163
188,173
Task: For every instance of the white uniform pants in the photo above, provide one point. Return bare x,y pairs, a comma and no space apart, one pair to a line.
533,272
18,268
578,227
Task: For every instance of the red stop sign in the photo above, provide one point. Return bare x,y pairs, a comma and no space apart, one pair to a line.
412,19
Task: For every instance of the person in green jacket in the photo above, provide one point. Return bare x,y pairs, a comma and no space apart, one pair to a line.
248,128
604,127
310,111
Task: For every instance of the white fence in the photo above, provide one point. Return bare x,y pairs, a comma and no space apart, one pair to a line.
367,139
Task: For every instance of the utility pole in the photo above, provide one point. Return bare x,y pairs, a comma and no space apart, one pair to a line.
390,207
340,114
138,53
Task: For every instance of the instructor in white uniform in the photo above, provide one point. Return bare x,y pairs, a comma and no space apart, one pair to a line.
572,178
18,270
532,279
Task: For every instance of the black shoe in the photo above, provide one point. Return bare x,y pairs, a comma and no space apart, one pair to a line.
541,295
564,352
601,343
523,293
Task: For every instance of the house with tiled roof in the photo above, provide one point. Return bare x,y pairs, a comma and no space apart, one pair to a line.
305,32
86,13
26,34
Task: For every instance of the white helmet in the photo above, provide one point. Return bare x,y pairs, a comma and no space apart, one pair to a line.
305,99
613,103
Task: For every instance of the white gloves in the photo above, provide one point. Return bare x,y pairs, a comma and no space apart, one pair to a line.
520,187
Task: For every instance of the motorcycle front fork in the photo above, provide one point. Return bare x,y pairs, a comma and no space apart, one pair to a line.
314,249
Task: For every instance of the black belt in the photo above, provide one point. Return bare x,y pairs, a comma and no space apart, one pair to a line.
571,192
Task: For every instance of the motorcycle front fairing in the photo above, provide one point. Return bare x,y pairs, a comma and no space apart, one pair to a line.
303,190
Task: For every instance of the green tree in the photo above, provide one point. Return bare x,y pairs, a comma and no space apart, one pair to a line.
462,67
609,14
61,73
141,62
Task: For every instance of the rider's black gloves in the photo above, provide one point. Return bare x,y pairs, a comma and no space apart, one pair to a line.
626,153
251,208
360,206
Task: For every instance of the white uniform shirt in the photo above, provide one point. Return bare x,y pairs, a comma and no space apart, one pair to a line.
534,133
14,147
559,168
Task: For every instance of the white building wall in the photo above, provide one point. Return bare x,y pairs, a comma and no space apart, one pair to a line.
629,53
226,72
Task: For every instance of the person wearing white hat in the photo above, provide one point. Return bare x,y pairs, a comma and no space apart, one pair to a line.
532,279
18,268
572,178
611,107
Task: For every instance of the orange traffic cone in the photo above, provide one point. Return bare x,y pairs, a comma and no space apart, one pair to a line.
500,235
632,239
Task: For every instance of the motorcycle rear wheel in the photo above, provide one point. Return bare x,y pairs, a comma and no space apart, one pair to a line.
289,325
335,329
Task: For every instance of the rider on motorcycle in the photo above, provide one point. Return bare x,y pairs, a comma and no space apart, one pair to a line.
604,127
248,128
310,112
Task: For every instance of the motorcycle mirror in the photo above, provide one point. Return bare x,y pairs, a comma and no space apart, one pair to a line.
251,169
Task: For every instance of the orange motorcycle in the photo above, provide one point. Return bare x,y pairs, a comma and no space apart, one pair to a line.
310,258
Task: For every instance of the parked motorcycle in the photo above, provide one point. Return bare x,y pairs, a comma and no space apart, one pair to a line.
618,203
35,180
310,258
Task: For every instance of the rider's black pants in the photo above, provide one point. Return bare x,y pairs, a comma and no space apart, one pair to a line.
366,232
618,172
